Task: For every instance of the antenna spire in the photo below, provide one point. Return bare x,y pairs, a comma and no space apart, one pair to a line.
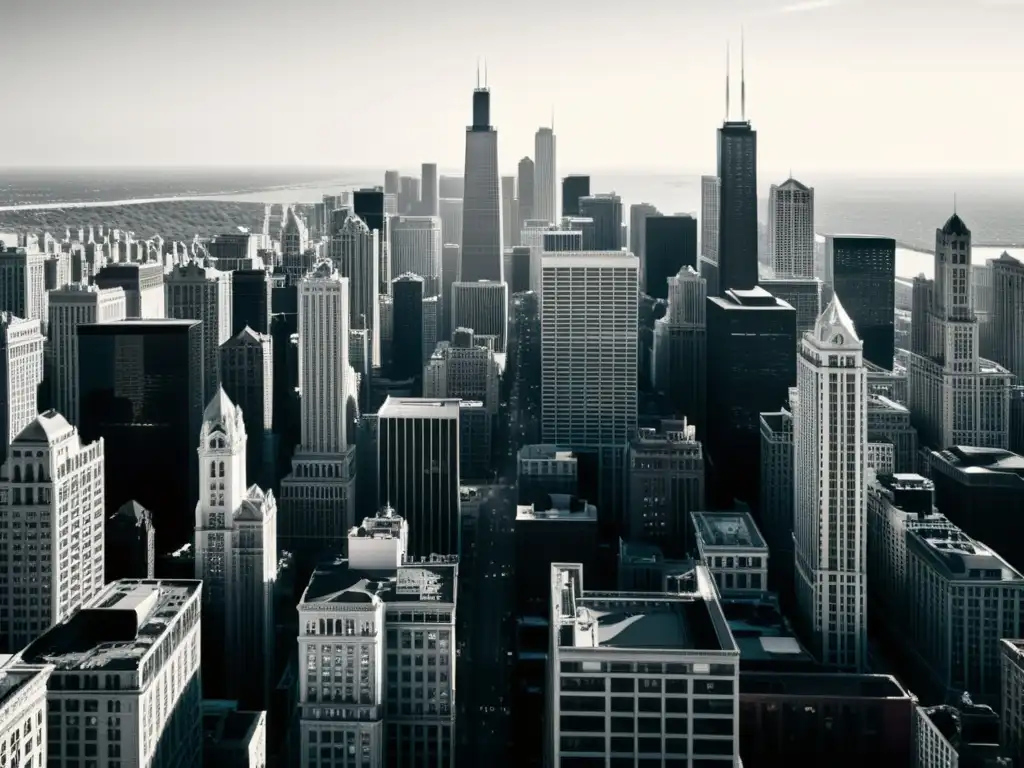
727,68
552,118
485,73
743,77
954,203
478,73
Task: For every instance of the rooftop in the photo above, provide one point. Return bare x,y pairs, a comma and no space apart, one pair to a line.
564,507
822,685
145,322
45,429
762,632
884,403
540,452
1014,649
16,677
985,462
223,726
116,629
728,530
958,556
777,421
756,298
419,408
335,582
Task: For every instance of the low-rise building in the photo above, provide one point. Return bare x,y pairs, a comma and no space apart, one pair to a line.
23,714
733,550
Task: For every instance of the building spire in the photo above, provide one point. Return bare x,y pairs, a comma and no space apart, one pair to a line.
485,73
743,78
727,81
954,203
478,73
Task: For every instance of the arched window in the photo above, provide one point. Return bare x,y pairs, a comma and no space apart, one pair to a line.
213,469
17,473
222,469
29,476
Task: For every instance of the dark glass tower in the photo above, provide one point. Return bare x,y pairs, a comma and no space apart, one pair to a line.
751,364
573,188
737,230
250,300
863,275
524,183
407,332
141,384
670,243
606,212
368,205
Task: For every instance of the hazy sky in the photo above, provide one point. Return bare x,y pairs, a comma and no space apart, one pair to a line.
852,86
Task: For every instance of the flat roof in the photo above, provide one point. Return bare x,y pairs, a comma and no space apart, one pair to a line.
727,530
15,677
992,461
564,507
143,323
776,420
545,452
116,629
886,403
959,556
821,684
429,582
761,630
419,408
223,727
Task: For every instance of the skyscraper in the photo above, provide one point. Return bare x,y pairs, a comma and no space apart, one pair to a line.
680,346
710,192
143,286
250,300
371,205
830,501
21,373
451,221
392,182
573,188
354,250
317,497
545,180
247,376
416,249
482,306
23,283
54,480
294,242
1008,311
418,470
509,212
524,184
429,195
195,293
638,214
407,292
670,244
861,269
449,274
236,559
791,229
481,205
606,211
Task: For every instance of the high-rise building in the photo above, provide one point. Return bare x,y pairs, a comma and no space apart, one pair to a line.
679,359
53,480
195,293
670,245
803,295
776,496
545,180
464,369
509,212
606,211
429,195
751,364
416,249
143,286
449,274
250,300
525,173
363,604
23,283
518,277
418,470
23,712
791,229
573,188
407,293
294,243
710,211
483,307
1008,311
638,215
236,559
861,269
371,205
830,515
737,193
451,222
889,422
132,639
392,182
956,397
317,497
141,390
130,543
451,186
481,204
247,377
1012,722
589,359
354,250
408,195
584,645
21,373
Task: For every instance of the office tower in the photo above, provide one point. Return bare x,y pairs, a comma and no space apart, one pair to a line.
737,199
670,245
418,469
386,311
236,559
140,385
294,243
145,636
143,286
354,251
679,359
21,373
750,367
23,712
589,359
408,195
518,276
710,210
830,514
524,364
666,483
1008,311
579,642
231,737
463,369
407,292
861,269
451,186
195,293
449,274
483,307
889,421
545,180
606,211
476,428
247,377
23,283
56,271
791,229
431,323
638,214
776,495
233,251
451,220
554,240
416,249
250,300
733,550
429,194
922,308
362,603
509,214
803,295
392,182
130,543
481,204
370,205
69,307
573,188
525,173
317,497
956,397
53,480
